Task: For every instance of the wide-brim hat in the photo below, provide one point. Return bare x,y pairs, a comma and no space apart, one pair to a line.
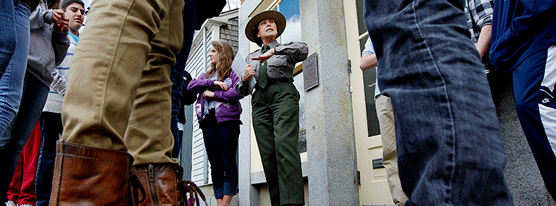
253,24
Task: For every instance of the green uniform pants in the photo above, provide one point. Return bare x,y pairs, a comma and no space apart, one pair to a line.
276,125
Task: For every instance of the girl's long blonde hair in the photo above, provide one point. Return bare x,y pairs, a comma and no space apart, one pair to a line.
224,64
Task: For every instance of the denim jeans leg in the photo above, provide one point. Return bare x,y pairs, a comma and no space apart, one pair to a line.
32,103
7,33
450,149
11,83
51,125
228,134
211,139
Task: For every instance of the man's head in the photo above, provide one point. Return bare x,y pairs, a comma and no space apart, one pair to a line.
74,11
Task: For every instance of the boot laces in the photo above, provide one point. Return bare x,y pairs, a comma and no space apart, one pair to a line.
194,191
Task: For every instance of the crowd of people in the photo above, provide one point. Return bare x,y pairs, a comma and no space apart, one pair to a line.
52,33
106,131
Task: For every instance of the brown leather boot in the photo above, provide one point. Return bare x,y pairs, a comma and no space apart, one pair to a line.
90,176
165,186
160,182
195,192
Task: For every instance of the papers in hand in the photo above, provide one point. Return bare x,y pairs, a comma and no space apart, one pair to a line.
238,65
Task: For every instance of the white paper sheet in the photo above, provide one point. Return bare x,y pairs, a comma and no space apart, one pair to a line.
238,65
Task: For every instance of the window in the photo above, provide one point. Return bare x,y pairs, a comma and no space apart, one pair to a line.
360,17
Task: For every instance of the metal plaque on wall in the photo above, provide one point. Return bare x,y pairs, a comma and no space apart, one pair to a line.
310,72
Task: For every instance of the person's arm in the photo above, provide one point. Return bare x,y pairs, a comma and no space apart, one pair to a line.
231,94
60,43
199,84
368,61
59,84
39,18
248,73
481,11
59,21
483,43
297,51
368,58
242,87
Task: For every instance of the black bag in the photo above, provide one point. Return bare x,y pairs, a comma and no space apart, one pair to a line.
188,97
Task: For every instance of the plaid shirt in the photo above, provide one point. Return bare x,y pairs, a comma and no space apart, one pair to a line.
479,13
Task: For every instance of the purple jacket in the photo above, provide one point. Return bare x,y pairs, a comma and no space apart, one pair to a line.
227,102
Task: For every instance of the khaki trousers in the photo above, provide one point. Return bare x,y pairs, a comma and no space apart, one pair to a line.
389,158
118,95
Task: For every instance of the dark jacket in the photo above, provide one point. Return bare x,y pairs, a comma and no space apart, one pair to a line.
521,28
187,98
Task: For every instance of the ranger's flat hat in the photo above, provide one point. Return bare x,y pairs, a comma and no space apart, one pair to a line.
253,24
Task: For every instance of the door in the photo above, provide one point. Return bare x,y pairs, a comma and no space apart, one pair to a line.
373,188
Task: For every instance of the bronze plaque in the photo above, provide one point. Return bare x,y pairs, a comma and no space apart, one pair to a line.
310,72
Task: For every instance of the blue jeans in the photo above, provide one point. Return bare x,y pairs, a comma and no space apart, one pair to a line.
450,149
51,126
11,83
176,75
8,33
221,144
32,103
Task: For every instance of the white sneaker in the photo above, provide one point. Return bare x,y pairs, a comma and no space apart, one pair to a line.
10,203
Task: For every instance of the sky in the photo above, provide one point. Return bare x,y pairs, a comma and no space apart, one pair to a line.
290,9
293,30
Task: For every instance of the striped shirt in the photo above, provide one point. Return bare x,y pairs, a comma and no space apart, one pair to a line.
57,91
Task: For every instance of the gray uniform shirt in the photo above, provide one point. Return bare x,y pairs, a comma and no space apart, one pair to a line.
279,66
